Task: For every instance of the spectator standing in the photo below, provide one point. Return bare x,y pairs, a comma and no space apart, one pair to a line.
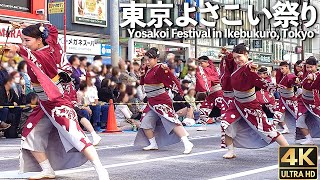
125,77
83,67
109,71
17,87
115,75
170,59
22,69
76,72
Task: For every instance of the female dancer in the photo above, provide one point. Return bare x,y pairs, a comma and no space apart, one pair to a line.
245,124
55,116
288,105
308,121
160,125
266,98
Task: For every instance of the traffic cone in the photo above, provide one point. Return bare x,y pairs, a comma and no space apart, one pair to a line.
112,122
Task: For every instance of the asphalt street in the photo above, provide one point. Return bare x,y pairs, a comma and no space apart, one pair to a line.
124,161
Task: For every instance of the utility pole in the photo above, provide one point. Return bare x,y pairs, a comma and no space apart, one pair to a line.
114,32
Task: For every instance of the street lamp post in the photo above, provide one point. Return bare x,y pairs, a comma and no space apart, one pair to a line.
114,31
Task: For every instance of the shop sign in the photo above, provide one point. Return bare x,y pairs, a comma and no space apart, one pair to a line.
14,36
90,12
55,7
106,50
264,58
80,45
14,5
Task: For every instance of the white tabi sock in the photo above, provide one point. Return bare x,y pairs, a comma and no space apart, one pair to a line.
308,137
45,166
285,127
102,172
93,133
185,140
153,141
230,147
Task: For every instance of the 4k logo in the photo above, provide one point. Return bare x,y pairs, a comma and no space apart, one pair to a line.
298,162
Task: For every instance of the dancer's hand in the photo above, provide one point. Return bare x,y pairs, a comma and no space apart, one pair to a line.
12,48
311,77
300,74
253,66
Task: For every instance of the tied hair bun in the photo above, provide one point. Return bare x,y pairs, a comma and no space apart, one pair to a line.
44,31
312,61
241,49
153,53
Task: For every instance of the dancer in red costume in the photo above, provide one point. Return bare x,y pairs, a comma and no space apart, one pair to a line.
227,67
245,124
52,128
266,99
288,104
160,125
208,82
308,121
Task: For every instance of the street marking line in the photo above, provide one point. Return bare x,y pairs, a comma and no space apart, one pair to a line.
14,174
246,173
131,145
8,158
249,172
106,147
63,172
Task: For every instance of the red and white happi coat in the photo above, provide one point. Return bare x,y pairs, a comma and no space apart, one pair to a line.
308,104
245,120
155,81
43,67
208,81
227,67
288,100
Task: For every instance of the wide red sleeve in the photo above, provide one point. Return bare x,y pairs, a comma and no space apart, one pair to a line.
52,39
316,82
279,76
213,74
166,77
292,80
202,84
61,58
260,82
42,59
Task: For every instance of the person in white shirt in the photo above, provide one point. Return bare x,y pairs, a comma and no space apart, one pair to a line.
91,95
124,115
191,76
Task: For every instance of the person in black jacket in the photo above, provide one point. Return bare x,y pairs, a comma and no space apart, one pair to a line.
8,98
106,92
3,75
